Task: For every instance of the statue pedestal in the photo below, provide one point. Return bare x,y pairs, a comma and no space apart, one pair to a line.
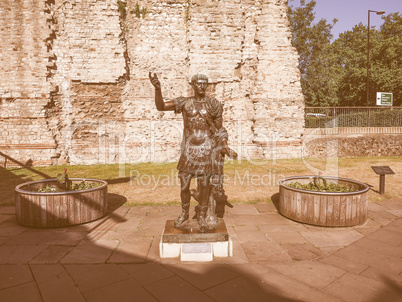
188,243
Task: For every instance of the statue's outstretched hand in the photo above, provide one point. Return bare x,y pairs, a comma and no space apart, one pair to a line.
154,80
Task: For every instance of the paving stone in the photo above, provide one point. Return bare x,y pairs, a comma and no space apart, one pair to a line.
305,251
27,292
142,211
238,252
382,275
9,229
147,273
261,219
204,276
330,250
48,272
248,209
383,218
265,207
12,275
7,218
151,231
397,213
19,254
243,289
376,207
7,210
313,273
4,239
332,237
126,290
93,276
296,289
154,249
265,251
345,264
245,228
27,238
254,236
392,205
174,289
130,225
368,227
63,238
372,258
394,227
379,247
91,252
291,227
286,237
131,250
60,289
355,288
229,221
52,254
386,236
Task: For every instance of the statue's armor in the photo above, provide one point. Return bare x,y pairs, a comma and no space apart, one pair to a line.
199,142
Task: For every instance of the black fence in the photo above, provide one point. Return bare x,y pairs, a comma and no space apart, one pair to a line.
329,117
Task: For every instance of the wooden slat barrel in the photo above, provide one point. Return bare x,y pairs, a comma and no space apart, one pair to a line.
324,208
58,209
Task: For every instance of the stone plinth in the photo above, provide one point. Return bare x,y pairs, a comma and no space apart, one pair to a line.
188,243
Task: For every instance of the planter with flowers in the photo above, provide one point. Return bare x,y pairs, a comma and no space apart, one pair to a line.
61,201
323,201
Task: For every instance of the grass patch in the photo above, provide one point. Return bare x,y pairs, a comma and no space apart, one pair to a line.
247,181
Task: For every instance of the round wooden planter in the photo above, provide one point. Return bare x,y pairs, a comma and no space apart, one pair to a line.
37,209
323,208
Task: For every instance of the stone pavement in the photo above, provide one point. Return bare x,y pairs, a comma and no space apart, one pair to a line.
117,259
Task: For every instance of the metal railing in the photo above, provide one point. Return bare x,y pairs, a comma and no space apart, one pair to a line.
329,117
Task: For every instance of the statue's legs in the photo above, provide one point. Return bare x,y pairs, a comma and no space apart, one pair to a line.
203,184
185,195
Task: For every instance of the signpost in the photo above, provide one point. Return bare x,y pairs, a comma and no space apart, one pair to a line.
384,98
382,171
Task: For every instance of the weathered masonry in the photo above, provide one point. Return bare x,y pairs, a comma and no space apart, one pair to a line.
74,77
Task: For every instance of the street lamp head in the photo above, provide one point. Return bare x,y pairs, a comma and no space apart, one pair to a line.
381,12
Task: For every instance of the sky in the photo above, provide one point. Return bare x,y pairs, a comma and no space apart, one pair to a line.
351,12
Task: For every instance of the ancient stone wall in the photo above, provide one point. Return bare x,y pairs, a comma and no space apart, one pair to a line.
74,78
343,143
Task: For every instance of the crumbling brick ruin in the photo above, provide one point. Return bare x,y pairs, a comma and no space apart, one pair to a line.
74,77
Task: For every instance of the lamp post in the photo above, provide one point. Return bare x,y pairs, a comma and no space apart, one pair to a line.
368,53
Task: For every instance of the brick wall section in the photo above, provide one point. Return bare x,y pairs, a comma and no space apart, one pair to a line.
88,76
24,55
26,64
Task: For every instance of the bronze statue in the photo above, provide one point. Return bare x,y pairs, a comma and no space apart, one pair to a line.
203,148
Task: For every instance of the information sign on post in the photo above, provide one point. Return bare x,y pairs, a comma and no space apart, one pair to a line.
384,98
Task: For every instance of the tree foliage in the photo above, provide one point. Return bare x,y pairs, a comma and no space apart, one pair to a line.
335,73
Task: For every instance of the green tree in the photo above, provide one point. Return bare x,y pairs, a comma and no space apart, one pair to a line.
313,43
350,52
386,69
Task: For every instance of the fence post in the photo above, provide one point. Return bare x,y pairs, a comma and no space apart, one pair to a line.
369,117
334,116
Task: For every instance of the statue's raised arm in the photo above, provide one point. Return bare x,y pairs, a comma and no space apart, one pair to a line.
160,104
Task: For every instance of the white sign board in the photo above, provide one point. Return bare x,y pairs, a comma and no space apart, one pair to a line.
384,98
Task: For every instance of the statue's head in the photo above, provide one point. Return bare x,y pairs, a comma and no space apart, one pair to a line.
199,82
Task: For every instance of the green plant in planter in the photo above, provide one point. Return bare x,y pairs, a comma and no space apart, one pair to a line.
65,184
320,184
